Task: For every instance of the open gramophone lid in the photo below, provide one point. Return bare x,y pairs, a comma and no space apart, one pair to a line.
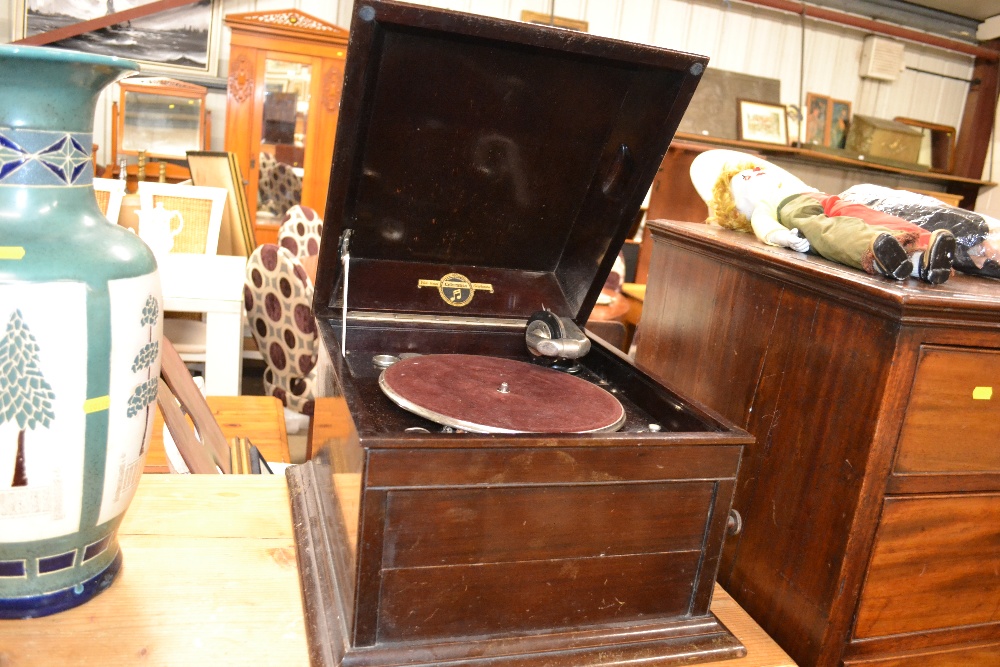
483,394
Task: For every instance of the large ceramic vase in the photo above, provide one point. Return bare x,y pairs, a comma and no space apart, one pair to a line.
80,325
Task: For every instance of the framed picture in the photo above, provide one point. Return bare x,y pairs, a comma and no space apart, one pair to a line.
840,121
182,39
763,122
817,120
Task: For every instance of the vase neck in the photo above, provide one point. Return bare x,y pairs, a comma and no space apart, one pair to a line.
53,89
44,158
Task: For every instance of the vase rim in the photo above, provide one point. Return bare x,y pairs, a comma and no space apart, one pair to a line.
47,53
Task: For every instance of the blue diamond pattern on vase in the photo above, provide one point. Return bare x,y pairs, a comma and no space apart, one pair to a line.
43,157
12,156
65,158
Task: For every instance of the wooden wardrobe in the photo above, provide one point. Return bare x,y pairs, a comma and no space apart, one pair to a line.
286,71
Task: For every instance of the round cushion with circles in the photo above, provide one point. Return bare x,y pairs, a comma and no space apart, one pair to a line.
300,232
277,295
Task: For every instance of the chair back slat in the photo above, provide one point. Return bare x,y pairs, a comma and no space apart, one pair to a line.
182,387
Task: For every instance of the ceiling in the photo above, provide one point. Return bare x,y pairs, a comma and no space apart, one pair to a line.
979,10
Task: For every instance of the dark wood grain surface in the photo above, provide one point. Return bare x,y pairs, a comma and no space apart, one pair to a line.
827,366
515,157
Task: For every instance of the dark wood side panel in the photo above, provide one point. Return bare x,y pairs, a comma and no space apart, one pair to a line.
716,531
465,526
521,597
953,419
934,565
673,195
812,452
805,375
698,338
369,572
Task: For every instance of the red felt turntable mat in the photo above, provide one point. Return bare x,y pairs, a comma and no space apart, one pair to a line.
464,391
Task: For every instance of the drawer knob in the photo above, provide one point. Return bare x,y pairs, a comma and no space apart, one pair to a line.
734,524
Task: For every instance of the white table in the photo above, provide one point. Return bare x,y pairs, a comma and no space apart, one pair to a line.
213,285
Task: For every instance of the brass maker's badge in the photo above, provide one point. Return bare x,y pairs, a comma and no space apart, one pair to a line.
455,289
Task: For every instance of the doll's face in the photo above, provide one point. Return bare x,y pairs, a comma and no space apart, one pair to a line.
752,186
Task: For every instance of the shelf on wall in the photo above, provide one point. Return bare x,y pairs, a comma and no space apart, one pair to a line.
683,140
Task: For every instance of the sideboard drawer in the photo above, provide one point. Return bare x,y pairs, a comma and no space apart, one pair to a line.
933,566
952,422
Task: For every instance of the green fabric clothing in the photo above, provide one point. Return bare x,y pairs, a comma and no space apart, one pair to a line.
843,239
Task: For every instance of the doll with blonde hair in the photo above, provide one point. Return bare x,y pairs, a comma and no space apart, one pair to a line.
749,194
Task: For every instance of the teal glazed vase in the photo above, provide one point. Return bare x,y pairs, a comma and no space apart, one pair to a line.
80,326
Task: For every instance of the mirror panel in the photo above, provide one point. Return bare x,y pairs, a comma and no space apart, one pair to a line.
283,135
161,125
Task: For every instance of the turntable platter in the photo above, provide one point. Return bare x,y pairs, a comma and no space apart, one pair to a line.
484,394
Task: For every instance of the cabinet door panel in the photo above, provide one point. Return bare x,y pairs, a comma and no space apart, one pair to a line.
935,565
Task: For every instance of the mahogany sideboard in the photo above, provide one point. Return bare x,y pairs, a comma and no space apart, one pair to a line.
871,497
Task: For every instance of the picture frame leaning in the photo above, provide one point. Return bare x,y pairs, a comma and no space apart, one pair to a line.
222,169
762,122
839,122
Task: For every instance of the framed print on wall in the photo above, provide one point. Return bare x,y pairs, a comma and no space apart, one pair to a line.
763,122
181,39
817,120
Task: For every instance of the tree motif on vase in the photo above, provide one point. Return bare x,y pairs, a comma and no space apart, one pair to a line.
144,393
25,396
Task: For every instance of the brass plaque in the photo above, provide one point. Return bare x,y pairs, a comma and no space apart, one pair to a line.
455,289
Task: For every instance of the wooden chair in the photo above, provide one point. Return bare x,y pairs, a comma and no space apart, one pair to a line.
110,192
213,437
200,208
203,448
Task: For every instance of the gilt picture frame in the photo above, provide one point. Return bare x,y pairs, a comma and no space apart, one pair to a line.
762,122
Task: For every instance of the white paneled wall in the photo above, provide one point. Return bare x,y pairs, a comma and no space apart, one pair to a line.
764,42
736,36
